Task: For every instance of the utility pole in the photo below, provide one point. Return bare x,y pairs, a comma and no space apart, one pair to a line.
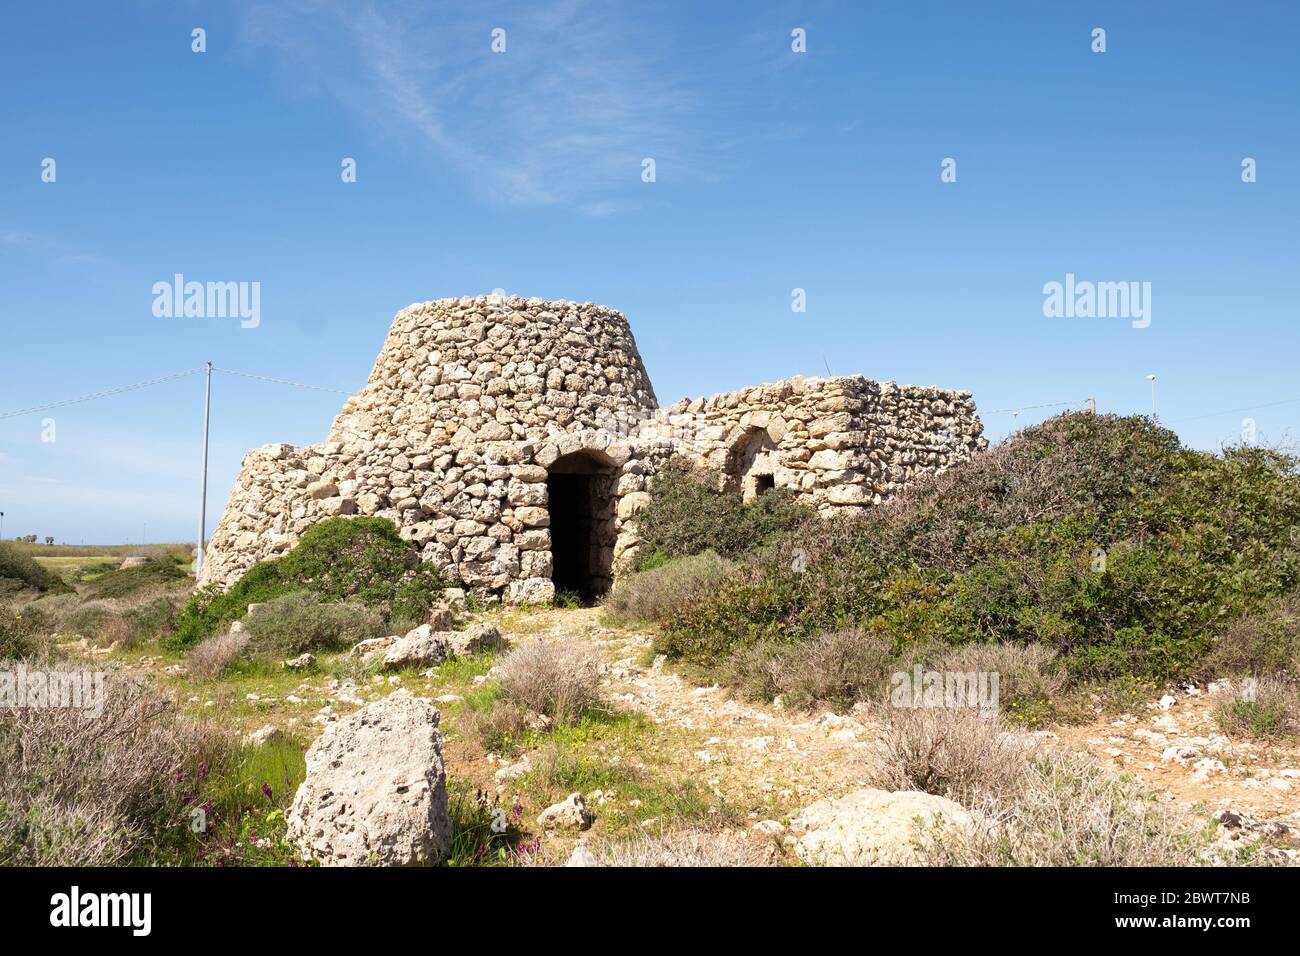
2,525
203,487
1152,379
1092,406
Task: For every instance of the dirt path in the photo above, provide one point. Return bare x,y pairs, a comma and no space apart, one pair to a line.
763,760
1178,751
772,762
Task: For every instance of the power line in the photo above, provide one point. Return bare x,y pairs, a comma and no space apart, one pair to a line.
106,393
281,381
1233,411
1025,408
122,389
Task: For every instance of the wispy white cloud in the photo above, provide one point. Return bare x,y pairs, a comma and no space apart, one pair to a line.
22,242
566,114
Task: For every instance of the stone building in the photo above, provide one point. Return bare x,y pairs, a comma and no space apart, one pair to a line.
513,441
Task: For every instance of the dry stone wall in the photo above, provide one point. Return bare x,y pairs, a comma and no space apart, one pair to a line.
487,417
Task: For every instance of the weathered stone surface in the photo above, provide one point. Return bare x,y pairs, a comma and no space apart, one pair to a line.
420,647
375,791
582,856
569,814
371,646
871,827
474,401
475,638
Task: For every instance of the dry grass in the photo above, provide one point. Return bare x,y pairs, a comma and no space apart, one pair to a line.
1266,709
560,679
498,728
1065,811
1029,681
836,669
950,752
214,656
693,848
81,790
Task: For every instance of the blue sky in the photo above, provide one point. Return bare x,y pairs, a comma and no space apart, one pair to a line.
522,171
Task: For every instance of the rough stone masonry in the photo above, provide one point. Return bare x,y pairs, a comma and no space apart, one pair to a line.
513,441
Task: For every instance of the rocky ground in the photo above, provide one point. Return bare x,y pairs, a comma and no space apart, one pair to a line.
678,755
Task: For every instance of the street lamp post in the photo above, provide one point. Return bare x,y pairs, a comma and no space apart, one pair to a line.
1152,379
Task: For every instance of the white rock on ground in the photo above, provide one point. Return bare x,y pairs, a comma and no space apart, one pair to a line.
376,791
426,646
581,856
475,638
371,646
871,827
262,735
421,646
569,813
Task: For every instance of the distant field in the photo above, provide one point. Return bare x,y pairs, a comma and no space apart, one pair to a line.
61,558
102,551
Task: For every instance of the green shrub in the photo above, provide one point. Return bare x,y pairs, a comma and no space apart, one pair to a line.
1267,643
1097,536
687,514
23,632
18,572
85,621
836,669
156,574
152,621
653,594
499,726
1266,709
303,621
360,560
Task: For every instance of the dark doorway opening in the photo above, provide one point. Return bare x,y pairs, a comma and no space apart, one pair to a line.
763,484
581,506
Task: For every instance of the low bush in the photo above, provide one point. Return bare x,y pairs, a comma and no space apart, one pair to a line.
652,595
215,655
687,514
1265,643
153,620
84,621
100,790
559,679
1029,681
1065,811
836,669
157,574
56,607
23,632
1096,536
950,752
1264,708
302,621
362,560
19,572
499,727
